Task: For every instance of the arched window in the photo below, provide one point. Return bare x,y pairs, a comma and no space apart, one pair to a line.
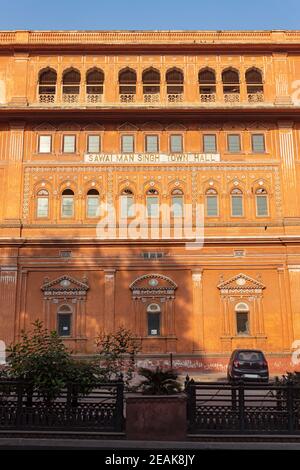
231,85
127,85
255,88
262,206
92,203
127,203
151,85
237,206
153,319
94,85
152,198
242,319
211,197
174,79
64,316
47,86
67,203
71,86
177,203
42,206
207,85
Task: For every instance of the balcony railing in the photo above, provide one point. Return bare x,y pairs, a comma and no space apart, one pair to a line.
70,98
147,98
47,98
175,98
255,97
231,97
151,98
208,97
94,98
127,98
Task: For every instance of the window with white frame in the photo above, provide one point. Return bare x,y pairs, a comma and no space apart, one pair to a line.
92,203
127,143
177,203
42,207
151,143
234,143
93,143
69,143
45,143
262,206
152,199
127,203
209,143
176,143
67,203
211,197
237,206
242,319
258,143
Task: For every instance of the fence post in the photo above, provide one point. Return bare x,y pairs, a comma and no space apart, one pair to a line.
241,406
191,403
290,406
20,391
119,418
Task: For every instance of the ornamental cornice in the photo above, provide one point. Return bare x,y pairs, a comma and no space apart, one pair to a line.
180,38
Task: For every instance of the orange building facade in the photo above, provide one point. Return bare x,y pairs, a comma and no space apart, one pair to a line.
205,123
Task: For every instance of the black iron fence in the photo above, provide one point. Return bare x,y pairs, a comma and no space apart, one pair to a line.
243,408
100,410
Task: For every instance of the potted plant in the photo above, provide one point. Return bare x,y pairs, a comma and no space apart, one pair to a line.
159,411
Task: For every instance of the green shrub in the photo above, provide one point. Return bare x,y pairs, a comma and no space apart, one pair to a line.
159,381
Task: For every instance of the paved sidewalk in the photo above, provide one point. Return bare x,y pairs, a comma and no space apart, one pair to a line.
114,446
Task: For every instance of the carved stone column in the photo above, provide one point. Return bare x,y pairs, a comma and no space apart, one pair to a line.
288,168
198,311
286,337
8,286
109,300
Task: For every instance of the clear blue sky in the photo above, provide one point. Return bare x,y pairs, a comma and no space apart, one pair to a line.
149,14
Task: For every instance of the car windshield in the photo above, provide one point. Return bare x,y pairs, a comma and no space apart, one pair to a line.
251,356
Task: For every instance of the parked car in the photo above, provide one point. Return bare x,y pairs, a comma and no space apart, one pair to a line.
248,365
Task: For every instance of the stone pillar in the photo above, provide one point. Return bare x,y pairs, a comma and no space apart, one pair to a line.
288,168
13,195
8,294
198,311
285,310
281,78
109,300
19,78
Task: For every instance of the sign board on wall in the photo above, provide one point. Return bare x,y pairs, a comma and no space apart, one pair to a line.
151,158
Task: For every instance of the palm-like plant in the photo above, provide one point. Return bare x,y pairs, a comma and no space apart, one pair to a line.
159,381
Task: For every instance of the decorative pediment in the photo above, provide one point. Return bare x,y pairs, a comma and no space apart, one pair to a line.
153,285
127,126
45,127
65,286
152,126
258,125
94,126
69,126
176,127
241,284
230,126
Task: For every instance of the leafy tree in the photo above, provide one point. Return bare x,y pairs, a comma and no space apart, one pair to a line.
159,381
117,353
41,359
